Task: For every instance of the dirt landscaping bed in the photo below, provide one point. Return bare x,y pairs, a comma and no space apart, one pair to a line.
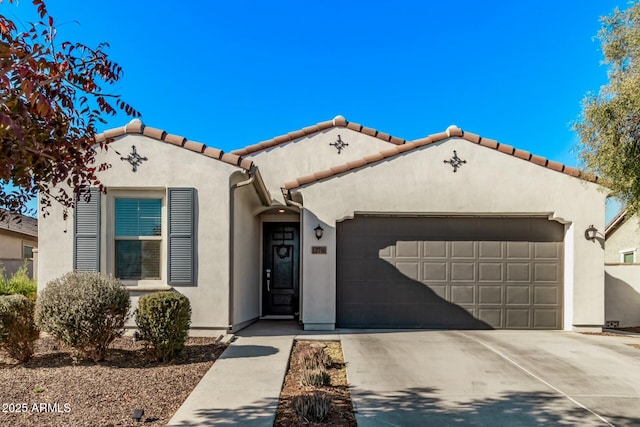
341,409
53,390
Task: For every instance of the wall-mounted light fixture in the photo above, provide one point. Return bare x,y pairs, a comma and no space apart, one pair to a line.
319,230
591,233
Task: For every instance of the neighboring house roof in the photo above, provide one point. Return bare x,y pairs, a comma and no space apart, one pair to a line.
136,126
615,223
20,224
452,131
338,121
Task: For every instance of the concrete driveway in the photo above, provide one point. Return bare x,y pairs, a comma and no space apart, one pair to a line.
492,378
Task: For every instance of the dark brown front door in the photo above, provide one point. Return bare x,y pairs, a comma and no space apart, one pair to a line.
281,267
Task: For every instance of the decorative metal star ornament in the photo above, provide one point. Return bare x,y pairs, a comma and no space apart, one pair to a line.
134,158
339,144
455,161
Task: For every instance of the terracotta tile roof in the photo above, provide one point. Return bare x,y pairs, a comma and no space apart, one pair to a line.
338,121
20,224
135,126
451,132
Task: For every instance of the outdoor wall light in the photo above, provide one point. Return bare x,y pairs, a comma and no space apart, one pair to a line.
319,230
591,233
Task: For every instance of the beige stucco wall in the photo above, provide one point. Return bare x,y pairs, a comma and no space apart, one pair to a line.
622,294
318,274
490,183
625,237
167,166
246,259
307,155
11,244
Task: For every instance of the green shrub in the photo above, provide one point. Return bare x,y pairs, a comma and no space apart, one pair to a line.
313,407
163,319
86,311
315,377
18,331
18,283
315,358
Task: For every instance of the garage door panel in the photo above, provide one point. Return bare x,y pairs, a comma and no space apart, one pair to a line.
490,250
469,273
545,318
378,270
518,250
490,294
463,250
410,269
386,252
463,272
434,271
547,250
546,272
440,290
546,295
355,247
517,318
518,295
463,294
518,272
350,293
407,249
351,270
435,249
376,226
490,272
356,315
491,316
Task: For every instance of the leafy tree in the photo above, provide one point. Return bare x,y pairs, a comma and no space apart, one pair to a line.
609,126
53,96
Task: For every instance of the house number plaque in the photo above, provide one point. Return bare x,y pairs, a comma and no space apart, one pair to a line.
318,250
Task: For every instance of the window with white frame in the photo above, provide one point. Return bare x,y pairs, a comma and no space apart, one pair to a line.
628,256
139,249
138,238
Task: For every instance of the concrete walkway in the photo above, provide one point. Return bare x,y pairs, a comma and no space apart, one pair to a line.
243,385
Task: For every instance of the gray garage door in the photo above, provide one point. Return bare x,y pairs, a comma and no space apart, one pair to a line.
458,273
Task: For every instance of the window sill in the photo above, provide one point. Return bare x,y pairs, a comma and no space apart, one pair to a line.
148,288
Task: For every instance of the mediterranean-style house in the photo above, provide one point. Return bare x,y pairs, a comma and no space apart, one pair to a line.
340,225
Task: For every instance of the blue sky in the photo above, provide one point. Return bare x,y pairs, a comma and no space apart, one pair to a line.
234,73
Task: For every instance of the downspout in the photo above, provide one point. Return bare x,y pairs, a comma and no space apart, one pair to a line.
232,202
289,200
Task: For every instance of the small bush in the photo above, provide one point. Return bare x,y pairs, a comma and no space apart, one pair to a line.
315,377
86,311
18,331
313,407
163,319
18,283
315,358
